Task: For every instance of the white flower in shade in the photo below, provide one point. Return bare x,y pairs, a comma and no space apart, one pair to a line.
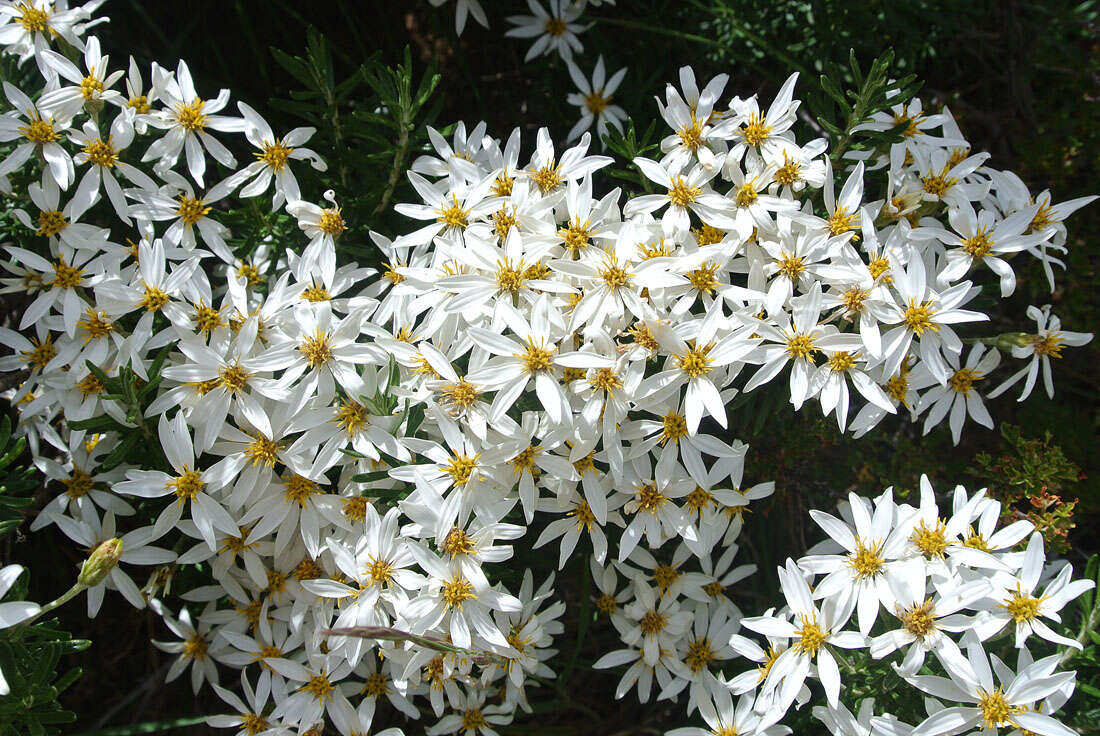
102,155
455,603
698,130
685,194
199,648
987,705
186,119
723,716
556,29
768,134
927,618
796,339
473,717
639,674
926,315
981,238
960,397
873,548
1019,607
594,99
12,612
464,8
1048,342
189,213
273,157
450,211
250,718
548,173
40,135
190,485
810,638
87,92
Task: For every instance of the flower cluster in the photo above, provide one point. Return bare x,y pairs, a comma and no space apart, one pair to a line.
352,458
927,580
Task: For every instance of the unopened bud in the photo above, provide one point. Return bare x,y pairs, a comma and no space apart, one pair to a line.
1009,340
102,560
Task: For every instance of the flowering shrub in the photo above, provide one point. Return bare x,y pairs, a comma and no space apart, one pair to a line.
347,457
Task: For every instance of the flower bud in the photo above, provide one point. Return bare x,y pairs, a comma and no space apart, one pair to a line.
1008,340
102,560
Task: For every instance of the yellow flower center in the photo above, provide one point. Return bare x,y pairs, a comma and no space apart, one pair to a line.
931,542
453,216
90,86
653,623
139,103
699,654
681,194
274,154
789,173
703,278
756,130
262,450
331,222
865,560
458,542
596,102
153,299
66,276
978,245
555,26
101,153
841,221
746,194
78,484
473,719
38,130
300,489
649,498
96,324
963,380
842,361
582,514
190,116
800,345
1049,345
1021,606
674,427
456,591
810,637
536,357
576,237
234,378
918,317
938,184
318,686
190,210
316,349
919,620
791,266
694,362
41,353
511,275
33,20
607,604
691,136
187,485
995,709
548,177
51,222
461,469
